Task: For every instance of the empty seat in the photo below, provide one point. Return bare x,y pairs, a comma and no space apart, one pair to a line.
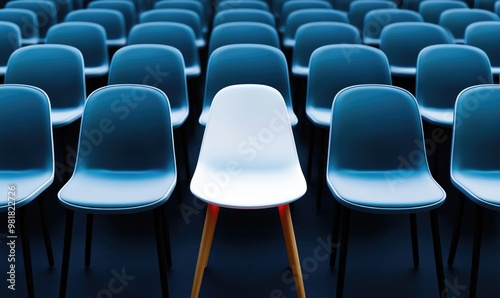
238,4
127,9
377,19
484,35
192,5
291,6
27,22
358,10
431,10
10,40
456,20
45,11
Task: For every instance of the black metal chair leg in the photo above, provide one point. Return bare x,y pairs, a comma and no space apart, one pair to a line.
437,253
45,230
185,150
414,239
88,238
346,213
322,167
456,231
166,236
160,247
334,244
25,239
66,252
310,153
476,250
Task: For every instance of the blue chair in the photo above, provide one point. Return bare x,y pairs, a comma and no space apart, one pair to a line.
126,166
27,164
243,32
27,22
63,7
304,16
193,5
179,36
484,35
183,16
443,71
45,11
126,7
331,69
291,6
56,69
456,20
243,15
10,40
496,9
239,4
377,19
485,4
475,163
313,35
358,10
431,10
267,179
111,20
246,64
374,180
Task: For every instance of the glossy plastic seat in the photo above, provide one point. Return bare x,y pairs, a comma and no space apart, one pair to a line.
183,16
124,165
443,71
262,64
56,69
89,38
431,10
241,4
402,42
26,165
304,16
484,35
358,10
27,22
111,20
126,7
243,32
475,164
377,19
45,11
179,36
253,180
193,5
291,6
456,20
311,36
243,15
373,180
10,40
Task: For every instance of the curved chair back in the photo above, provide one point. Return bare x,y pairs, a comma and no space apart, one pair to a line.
27,22
431,10
246,64
377,19
241,4
335,67
358,10
484,35
10,40
45,11
127,9
63,7
89,38
291,6
311,36
402,42
243,32
243,15
193,5
56,69
443,71
159,66
485,4
179,36
456,20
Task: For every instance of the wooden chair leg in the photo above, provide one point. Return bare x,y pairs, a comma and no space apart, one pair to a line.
291,246
476,250
206,243
88,238
414,239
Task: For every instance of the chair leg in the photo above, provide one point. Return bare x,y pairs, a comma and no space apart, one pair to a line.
206,243
414,239
185,151
456,231
160,248
25,239
166,236
346,214
335,233
291,247
322,167
310,152
66,252
88,238
476,250
437,253
45,230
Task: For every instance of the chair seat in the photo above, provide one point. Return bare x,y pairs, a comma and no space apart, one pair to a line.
299,70
61,117
96,71
319,116
386,191
206,112
192,71
117,191
179,116
482,187
404,70
29,184
442,116
118,42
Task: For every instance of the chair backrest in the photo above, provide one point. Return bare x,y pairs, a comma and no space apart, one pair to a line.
243,15
311,36
126,8
27,22
291,6
246,64
179,36
243,32
443,71
358,10
63,7
402,42
89,38
485,4
335,67
154,65
10,40
239,4
431,10
116,137
193,5
377,19
111,20
456,20
45,11
484,35
304,16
